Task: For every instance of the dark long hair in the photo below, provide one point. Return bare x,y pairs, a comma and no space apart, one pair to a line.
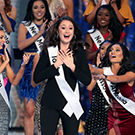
126,63
52,39
115,25
95,61
29,15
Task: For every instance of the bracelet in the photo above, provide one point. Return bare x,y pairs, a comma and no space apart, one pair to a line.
105,76
23,65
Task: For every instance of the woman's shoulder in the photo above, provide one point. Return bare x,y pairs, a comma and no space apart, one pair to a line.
12,14
80,49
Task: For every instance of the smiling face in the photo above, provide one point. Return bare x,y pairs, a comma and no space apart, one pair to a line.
38,10
2,39
103,17
116,54
66,31
103,49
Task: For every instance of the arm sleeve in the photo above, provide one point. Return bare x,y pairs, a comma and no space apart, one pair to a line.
90,6
82,72
44,70
125,11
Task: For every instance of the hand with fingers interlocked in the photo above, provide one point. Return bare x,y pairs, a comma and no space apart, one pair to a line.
67,58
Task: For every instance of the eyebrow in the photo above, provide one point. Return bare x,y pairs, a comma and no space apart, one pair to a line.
65,25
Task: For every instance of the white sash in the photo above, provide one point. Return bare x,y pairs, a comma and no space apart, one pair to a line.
33,30
128,104
103,2
96,36
4,94
73,105
101,85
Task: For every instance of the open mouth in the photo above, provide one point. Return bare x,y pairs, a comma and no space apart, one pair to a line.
113,56
66,36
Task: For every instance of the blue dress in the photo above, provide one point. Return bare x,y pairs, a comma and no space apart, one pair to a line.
26,90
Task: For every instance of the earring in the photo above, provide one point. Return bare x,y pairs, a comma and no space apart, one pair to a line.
57,36
97,25
74,36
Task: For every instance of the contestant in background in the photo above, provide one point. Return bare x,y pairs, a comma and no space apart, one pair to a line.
108,27
30,39
7,22
119,73
5,110
96,120
120,7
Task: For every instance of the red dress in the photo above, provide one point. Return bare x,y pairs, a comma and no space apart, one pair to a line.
105,36
119,118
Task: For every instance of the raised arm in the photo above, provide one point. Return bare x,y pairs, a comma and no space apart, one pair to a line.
91,11
91,85
128,77
95,70
22,31
70,7
35,61
120,17
11,14
15,79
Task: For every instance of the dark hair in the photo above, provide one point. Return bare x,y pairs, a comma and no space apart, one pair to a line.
52,38
95,61
115,25
8,6
29,15
126,63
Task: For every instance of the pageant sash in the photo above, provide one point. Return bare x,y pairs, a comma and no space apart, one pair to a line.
101,85
73,104
33,30
7,36
103,2
96,36
4,94
128,104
